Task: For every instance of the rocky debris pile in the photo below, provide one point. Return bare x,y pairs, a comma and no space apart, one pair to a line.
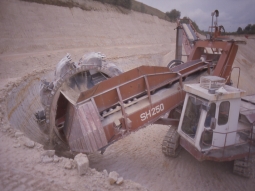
69,164
48,156
22,140
114,178
80,161
48,160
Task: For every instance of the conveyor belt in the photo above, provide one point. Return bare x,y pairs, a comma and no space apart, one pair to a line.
189,32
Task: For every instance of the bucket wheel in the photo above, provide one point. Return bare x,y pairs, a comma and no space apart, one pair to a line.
70,80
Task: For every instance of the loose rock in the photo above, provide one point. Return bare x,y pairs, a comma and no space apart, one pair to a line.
113,177
55,159
18,134
28,143
82,163
105,172
69,164
49,153
120,181
46,159
16,145
60,159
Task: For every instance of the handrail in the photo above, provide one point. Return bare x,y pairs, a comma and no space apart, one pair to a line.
181,72
224,147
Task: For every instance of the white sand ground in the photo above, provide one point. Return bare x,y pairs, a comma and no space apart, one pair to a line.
34,37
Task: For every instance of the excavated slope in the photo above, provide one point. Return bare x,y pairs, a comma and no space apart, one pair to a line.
34,37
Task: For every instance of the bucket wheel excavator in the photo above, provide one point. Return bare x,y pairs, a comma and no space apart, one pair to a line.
70,79
92,104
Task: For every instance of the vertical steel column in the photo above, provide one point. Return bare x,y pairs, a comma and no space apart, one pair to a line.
178,48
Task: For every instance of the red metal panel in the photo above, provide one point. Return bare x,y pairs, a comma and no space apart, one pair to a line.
107,99
76,140
94,120
132,88
157,80
121,79
86,133
167,121
223,60
109,132
87,125
191,149
91,126
152,112
227,69
152,115
68,120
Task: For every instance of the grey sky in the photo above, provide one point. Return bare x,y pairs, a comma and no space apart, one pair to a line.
233,13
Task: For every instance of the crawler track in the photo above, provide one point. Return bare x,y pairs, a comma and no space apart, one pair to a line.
243,167
170,145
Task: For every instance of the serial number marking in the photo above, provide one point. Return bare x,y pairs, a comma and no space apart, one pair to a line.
151,112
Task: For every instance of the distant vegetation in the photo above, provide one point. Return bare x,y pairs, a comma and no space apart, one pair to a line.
249,29
122,3
143,8
127,4
171,16
62,3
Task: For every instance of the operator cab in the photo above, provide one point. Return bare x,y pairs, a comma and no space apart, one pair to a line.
209,119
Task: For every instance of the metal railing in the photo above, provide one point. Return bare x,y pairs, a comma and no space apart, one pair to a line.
249,139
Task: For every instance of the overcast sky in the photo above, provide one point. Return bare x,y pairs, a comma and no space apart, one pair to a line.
233,13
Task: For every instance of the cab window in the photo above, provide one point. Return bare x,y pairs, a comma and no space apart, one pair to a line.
223,113
210,115
191,116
